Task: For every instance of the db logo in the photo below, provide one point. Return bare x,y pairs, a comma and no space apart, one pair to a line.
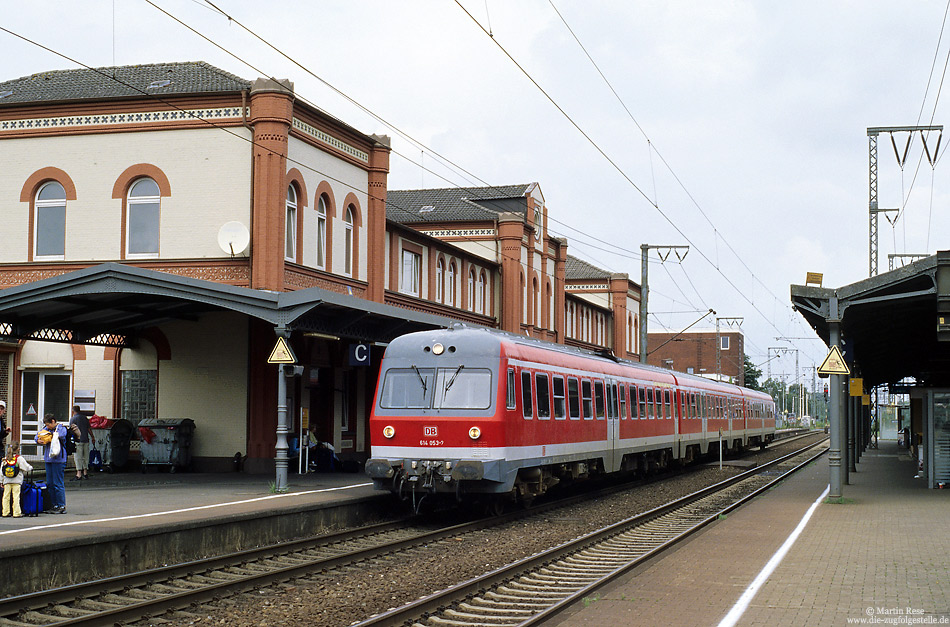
431,432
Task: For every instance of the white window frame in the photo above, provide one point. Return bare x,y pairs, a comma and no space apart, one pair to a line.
44,206
411,272
322,232
724,342
290,224
348,241
130,208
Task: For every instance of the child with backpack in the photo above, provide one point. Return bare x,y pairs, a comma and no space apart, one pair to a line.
12,469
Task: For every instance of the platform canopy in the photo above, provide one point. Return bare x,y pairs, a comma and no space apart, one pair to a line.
893,325
111,304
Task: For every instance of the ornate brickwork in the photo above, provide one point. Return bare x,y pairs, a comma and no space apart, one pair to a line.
299,279
112,119
330,140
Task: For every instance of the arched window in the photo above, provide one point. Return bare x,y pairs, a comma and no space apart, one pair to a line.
471,290
480,293
322,232
49,224
450,285
144,219
440,281
534,301
290,225
348,241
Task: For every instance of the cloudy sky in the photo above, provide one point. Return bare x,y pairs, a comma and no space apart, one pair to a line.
738,128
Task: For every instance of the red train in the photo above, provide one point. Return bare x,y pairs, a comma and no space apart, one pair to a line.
479,413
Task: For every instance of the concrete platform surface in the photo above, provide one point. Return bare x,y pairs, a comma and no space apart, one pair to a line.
880,557
108,504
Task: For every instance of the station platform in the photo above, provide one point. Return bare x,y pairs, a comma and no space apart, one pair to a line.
879,557
131,521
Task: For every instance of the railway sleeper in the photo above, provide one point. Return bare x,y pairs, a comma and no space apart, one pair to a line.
508,601
495,610
526,583
553,595
481,619
561,582
503,594
6,622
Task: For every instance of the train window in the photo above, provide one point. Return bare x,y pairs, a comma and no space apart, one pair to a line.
633,402
667,404
407,388
622,399
557,389
463,388
544,395
573,398
651,410
693,407
527,404
510,394
599,399
587,396
643,403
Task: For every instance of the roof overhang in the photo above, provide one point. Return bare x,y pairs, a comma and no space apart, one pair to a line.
112,304
891,324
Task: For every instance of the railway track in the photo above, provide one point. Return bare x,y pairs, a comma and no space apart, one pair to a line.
527,592
126,599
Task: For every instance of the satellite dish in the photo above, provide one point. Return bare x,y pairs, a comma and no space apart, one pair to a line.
233,238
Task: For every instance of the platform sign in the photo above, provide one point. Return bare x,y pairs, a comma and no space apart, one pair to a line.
359,354
834,363
856,387
282,354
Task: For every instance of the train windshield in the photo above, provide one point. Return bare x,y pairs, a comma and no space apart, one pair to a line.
445,388
407,388
463,388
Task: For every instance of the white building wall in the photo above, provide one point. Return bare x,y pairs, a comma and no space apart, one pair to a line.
209,171
206,380
96,373
343,178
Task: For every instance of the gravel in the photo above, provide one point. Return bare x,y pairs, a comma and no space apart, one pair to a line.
340,598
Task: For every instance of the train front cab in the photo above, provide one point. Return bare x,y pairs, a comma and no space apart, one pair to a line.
435,427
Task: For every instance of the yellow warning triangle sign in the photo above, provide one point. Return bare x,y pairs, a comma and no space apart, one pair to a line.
834,363
282,353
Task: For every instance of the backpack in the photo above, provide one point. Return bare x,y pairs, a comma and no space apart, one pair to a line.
68,443
11,469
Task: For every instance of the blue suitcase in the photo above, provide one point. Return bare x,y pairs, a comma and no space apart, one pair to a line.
31,497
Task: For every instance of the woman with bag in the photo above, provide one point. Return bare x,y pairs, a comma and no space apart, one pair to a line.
54,456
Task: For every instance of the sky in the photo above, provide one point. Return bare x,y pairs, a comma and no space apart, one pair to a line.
737,128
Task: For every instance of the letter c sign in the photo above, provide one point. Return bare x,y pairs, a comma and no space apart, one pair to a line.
359,355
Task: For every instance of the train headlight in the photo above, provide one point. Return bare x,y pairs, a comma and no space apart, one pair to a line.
389,431
437,349
474,433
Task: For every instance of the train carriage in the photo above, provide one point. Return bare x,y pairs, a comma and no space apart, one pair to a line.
478,412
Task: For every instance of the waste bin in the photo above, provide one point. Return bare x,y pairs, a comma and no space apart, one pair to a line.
166,442
100,439
120,438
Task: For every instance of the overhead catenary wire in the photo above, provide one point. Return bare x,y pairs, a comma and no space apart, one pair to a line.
596,146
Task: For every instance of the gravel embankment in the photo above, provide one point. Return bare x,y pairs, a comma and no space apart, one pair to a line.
343,597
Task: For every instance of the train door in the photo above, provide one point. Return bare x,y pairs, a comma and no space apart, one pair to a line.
613,426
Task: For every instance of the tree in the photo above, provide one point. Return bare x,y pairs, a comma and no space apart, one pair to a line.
752,374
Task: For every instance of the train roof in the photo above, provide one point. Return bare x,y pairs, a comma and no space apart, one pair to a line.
503,337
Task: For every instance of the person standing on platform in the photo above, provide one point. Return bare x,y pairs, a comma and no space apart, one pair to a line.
55,458
79,425
4,430
14,467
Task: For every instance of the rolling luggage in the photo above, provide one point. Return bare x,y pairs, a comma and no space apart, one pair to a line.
32,495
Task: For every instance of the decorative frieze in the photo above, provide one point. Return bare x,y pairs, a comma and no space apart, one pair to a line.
330,140
115,119
460,233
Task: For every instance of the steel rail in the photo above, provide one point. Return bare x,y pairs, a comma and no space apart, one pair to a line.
417,612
